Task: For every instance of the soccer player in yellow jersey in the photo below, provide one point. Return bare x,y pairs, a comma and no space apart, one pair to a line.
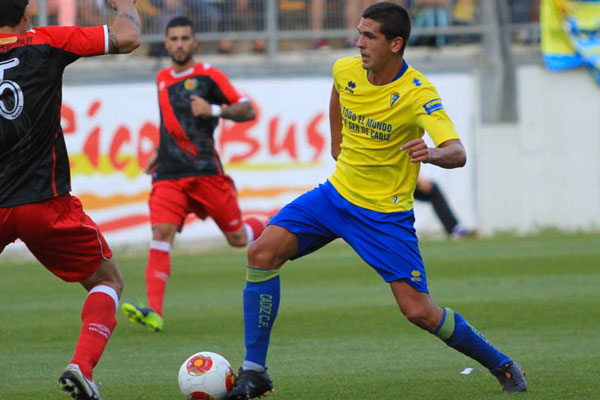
379,110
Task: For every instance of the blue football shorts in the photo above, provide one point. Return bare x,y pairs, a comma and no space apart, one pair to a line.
386,241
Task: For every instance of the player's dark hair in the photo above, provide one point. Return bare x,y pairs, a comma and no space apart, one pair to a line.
179,21
12,12
394,20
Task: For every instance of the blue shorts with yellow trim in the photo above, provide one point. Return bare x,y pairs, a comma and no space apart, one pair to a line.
386,241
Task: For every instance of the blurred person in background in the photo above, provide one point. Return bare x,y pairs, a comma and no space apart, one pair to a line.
464,12
252,12
429,191
523,12
317,19
380,108
65,10
187,173
352,12
228,16
35,204
165,11
431,14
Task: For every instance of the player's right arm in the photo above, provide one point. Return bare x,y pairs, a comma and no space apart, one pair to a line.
125,31
335,123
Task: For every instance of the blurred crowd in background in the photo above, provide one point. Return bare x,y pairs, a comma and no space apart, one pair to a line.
238,16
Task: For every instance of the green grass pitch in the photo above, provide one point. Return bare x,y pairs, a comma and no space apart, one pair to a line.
339,334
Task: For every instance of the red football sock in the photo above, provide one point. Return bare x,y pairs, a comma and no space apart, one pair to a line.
98,323
256,225
157,274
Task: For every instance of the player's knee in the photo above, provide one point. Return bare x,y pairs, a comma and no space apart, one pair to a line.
236,240
260,256
163,232
420,316
107,274
115,277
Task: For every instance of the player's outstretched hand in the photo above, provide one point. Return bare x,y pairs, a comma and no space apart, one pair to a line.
200,107
417,150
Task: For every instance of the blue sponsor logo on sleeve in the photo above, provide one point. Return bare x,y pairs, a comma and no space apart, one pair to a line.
433,106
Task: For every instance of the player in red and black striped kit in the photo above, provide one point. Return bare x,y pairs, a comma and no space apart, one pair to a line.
35,204
188,176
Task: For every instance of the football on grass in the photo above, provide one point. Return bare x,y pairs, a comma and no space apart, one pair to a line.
205,376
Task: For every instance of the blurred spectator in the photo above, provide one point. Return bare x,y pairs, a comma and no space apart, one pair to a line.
430,14
166,10
354,9
317,17
64,10
428,191
252,14
352,13
464,12
214,16
227,16
522,12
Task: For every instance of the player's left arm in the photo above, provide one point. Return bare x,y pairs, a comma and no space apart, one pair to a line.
430,115
239,112
227,101
449,154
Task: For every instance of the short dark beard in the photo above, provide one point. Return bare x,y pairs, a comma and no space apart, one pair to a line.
182,62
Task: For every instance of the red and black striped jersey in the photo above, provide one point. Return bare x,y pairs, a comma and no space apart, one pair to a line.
34,164
186,142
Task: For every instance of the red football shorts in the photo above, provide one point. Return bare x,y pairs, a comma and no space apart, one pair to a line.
215,196
59,234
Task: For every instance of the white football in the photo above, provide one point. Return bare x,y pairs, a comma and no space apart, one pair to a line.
205,376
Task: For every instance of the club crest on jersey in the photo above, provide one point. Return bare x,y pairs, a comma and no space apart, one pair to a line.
190,84
350,87
393,98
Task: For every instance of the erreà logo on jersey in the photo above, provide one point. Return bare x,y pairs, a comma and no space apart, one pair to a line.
190,84
394,98
350,87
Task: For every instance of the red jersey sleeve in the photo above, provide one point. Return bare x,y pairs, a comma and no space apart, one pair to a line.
230,92
81,41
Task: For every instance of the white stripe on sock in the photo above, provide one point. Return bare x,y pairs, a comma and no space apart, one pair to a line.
160,245
106,290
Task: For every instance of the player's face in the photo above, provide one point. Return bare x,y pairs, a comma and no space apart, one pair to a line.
180,44
375,50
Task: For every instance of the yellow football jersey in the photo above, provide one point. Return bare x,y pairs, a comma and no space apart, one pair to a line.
371,171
